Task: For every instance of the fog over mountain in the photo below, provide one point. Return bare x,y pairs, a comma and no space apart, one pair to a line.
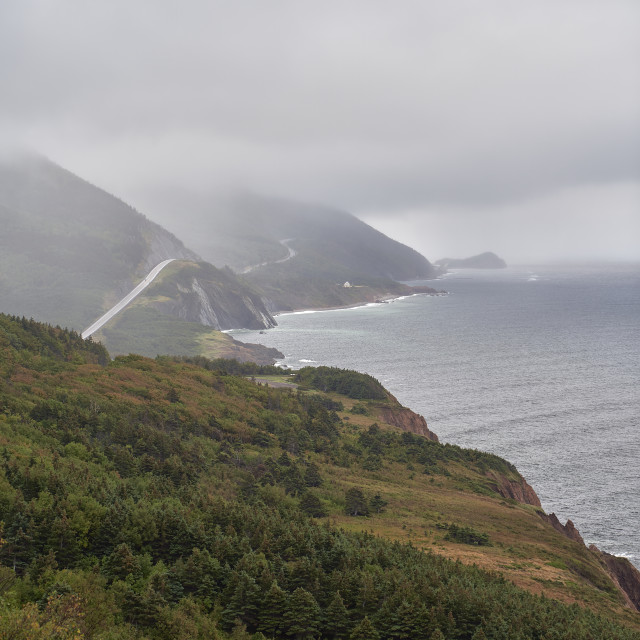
453,127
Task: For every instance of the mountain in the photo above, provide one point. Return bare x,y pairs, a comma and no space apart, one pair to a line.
69,251
68,248
152,499
487,260
299,255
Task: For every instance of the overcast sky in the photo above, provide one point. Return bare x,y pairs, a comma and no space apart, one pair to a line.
456,127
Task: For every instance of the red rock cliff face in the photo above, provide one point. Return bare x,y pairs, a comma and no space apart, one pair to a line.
519,490
623,573
568,529
406,420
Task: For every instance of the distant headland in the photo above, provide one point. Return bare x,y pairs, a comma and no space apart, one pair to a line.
487,260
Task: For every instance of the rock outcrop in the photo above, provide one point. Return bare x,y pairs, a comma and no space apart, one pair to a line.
623,573
406,420
216,298
568,529
519,490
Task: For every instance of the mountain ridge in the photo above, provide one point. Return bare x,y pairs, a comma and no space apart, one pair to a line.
331,247
69,251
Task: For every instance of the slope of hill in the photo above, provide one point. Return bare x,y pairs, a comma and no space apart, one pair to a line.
183,311
67,246
330,248
150,499
69,251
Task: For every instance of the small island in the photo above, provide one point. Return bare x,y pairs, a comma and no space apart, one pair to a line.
487,260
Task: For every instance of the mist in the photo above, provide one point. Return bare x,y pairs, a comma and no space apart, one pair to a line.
454,128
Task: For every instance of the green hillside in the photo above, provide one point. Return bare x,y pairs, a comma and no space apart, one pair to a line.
331,247
69,250
168,498
184,311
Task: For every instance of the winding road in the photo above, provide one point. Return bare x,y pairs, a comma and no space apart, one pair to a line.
127,299
284,243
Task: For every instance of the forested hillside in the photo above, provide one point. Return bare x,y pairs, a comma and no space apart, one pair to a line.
168,498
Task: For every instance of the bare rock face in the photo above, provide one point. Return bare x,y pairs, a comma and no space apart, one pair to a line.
406,420
568,529
623,573
198,292
519,490
162,245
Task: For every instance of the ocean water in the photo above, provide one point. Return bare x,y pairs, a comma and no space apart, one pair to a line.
539,365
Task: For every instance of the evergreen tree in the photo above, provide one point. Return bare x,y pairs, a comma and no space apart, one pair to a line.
244,603
121,563
302,615
292,480
311,505
199,574
336,618
355,503
109,535
365,631
64,539
405,622
284,460
272,608
312,476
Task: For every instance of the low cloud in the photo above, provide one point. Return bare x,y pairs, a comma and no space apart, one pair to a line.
485,110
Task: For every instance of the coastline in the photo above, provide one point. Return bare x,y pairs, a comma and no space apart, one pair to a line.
362,305
556,409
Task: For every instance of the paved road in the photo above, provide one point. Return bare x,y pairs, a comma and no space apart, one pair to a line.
127,299
285,243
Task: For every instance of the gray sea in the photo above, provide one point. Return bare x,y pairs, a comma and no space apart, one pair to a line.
540,365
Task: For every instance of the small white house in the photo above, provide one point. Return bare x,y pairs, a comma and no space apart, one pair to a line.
347,285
